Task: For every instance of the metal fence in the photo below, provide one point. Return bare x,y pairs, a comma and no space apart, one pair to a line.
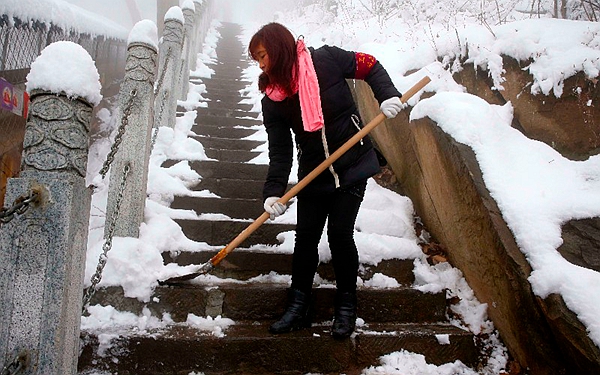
20,44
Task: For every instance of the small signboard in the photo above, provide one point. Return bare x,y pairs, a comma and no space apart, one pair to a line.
13,99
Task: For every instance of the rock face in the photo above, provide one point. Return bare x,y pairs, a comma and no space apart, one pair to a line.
568,124
444,181
582,243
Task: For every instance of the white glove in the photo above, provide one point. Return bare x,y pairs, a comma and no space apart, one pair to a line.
273,207
391,107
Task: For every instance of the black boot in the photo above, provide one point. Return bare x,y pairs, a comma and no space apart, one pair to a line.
344,320
296,314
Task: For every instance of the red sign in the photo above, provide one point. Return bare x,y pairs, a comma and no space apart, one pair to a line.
13,99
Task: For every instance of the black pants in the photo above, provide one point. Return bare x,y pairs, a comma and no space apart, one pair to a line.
341,207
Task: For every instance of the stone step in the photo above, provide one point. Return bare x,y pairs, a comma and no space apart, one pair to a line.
228,72
231,55
221,232
232,49
221,83
231,99
220,169
235,208
223,131
230,188
232,105
247,348
267,302
202,119
234,156
224,92
211,169
230,86
226,112
227,143
225,101
242,264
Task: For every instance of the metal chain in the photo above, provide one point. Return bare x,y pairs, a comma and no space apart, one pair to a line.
19,207
157,120
108,243
17,365
163,72
162,102
119,137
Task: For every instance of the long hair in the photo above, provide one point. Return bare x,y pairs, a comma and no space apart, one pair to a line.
280,45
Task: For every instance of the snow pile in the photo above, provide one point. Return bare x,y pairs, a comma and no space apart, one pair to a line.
75,76
62,14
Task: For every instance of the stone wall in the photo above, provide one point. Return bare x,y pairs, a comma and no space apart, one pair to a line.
443,179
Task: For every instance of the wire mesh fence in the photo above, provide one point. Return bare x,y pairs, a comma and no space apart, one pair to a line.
20,44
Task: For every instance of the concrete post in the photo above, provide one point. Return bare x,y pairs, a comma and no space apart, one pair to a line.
136,103
42,252
188,46
169,66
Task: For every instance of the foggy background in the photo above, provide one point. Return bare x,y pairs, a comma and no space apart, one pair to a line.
128,12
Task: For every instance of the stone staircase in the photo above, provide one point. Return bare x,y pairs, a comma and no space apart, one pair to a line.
395,319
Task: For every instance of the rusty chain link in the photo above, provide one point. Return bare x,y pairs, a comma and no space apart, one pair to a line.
119,137
19,207
18,364
108,243
157,121
163,72
158,118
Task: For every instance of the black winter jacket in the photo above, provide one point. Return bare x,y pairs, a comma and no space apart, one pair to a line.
333,66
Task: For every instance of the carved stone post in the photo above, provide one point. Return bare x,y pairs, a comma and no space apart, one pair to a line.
197,37
136,117
169,67
162,6
188,46
42,251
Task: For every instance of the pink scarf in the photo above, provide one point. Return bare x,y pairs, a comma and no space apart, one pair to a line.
307,88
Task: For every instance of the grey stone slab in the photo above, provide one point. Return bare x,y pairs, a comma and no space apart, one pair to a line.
223,131
235,208
226,112
230,188
245,264
226,121
236,156
220,233
219,169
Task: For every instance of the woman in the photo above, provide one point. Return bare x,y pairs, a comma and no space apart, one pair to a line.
306,93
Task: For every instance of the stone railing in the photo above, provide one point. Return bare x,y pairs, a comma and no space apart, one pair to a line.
43,233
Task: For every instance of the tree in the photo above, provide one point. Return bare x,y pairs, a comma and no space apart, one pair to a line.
382,9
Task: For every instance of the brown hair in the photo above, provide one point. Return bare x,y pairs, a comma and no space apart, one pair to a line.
280,45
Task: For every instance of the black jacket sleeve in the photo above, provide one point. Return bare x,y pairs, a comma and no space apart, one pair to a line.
381,83
281,150
378,78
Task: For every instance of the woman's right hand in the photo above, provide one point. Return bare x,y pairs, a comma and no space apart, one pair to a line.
273,207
